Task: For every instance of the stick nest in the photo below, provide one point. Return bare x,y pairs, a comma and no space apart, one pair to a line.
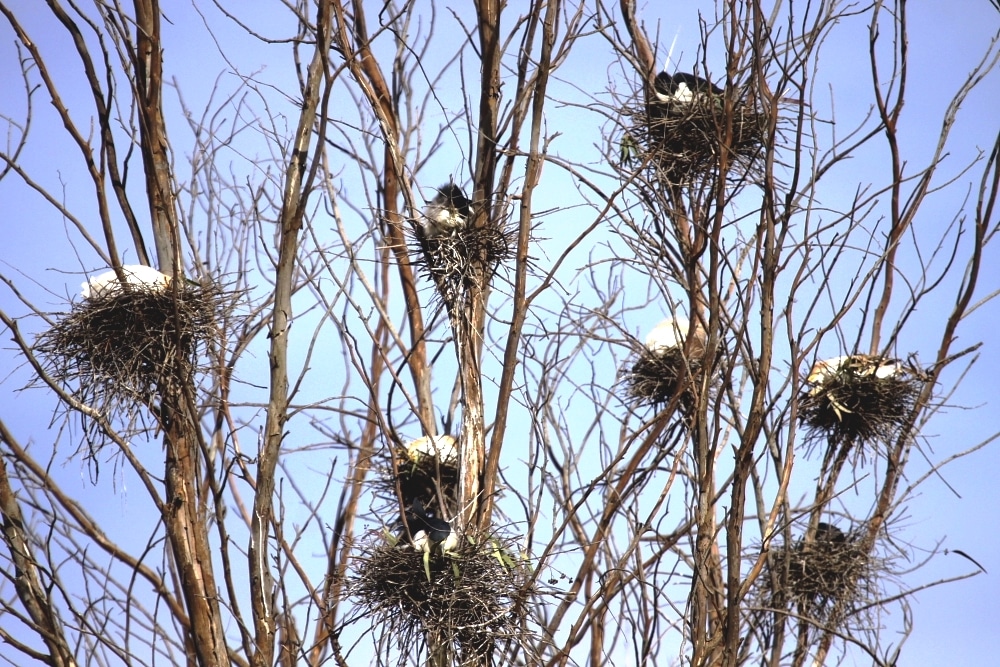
467,258
861,407
474,604
125,350
656,377
686,141
826,576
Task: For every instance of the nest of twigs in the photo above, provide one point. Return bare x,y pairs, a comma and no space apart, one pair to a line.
852,406
121,351
474,604
420,479
831,571
655,377
468,257
686,140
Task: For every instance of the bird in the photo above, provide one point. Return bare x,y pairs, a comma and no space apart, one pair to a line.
144,278
681,88
427,533
671,333
442,447
830,534
860,365
448,212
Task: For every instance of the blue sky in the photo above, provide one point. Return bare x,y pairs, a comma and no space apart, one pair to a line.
47,259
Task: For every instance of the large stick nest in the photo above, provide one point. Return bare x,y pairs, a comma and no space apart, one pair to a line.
468,257
656,376
824,576
687,140
474,604
861,407
125,350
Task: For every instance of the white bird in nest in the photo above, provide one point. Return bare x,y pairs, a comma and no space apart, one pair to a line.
144,278
671,333
861,365
447,213
442,447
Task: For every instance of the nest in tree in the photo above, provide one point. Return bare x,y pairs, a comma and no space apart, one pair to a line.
686,140
419,478
831,571
656,376
127,349
467,257
851,404
474,604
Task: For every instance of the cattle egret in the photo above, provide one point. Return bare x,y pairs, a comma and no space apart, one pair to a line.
442,447
144,278
448,212
670,334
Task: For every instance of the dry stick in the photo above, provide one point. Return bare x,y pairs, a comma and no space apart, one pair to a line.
296,190
27,583
364,67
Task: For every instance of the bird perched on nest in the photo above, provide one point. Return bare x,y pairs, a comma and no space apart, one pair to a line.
827,532
448,212
442,447
859,365
671,333
427,533
676,91
144,278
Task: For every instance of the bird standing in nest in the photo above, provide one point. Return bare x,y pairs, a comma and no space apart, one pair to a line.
671,334
676,92
427,533
138,276
447,213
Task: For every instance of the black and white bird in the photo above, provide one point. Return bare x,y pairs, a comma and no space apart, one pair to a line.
144,278
676,91
448,212
427,533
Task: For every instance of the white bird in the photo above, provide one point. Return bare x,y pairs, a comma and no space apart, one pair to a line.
145,278
448,212
861,365
442,447
671,333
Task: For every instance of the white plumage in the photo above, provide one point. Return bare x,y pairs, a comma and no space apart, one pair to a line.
442,447
671,333
136,275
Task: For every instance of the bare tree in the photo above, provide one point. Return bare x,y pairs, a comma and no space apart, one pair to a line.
457,451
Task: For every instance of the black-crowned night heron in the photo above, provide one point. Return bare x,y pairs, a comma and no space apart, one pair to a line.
448,212
681,88
428,534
